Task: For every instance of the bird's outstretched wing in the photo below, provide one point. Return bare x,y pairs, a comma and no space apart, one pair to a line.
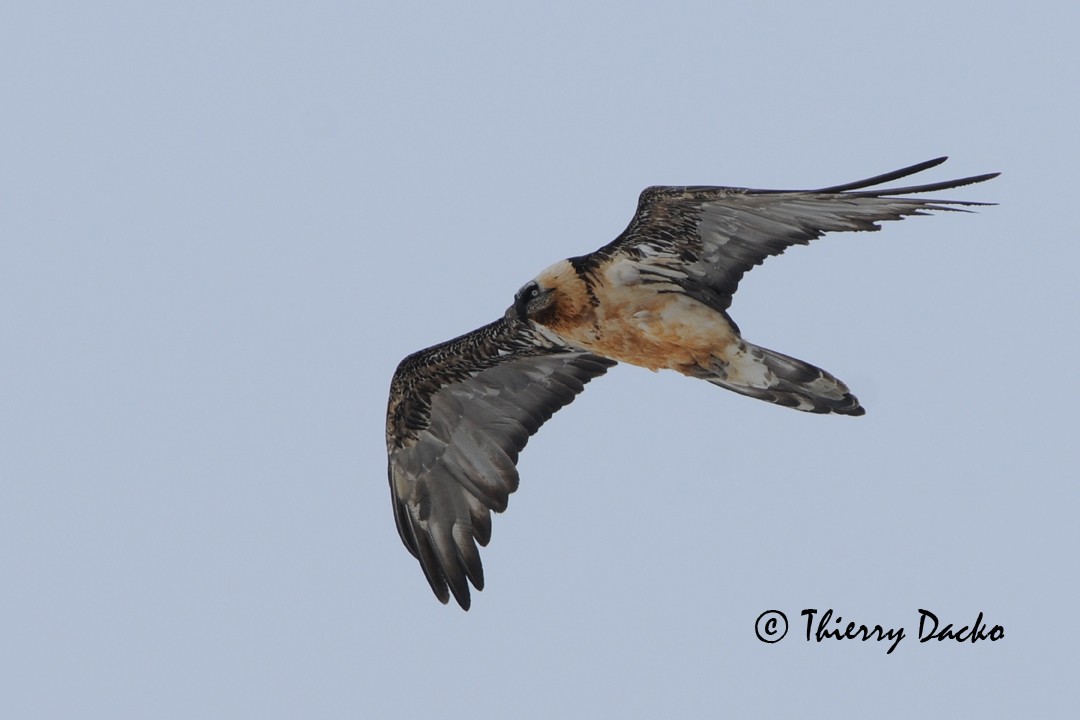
459,414
702,240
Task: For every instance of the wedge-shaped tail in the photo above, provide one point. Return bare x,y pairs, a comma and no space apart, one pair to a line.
777,378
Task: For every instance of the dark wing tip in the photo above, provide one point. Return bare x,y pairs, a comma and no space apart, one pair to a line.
932,187
884,177
461,594
902,173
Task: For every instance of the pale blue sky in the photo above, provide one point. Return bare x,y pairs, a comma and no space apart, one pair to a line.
223,224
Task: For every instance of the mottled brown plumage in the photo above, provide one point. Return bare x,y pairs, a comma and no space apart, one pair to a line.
657,296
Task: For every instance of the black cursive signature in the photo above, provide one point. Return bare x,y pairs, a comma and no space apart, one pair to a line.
965,634
829,627
851,631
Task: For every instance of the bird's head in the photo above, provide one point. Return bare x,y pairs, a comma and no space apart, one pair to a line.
530,302
555,295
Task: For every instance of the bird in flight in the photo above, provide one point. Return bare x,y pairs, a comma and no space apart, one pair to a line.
657,296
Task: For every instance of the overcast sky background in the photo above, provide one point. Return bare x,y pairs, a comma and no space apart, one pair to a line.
223,224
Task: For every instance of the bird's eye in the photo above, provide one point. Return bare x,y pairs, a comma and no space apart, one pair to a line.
534,291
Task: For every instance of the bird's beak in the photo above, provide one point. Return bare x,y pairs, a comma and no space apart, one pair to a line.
519,311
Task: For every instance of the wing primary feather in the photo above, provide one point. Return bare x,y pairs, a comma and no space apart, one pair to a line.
470,556
931,187
404,527
429,561
481,520
884,177
454,569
